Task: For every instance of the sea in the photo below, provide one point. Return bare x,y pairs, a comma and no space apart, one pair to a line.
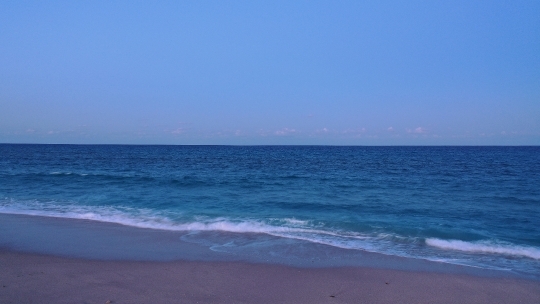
404,207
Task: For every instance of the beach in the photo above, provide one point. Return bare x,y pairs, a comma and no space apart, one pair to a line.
34,278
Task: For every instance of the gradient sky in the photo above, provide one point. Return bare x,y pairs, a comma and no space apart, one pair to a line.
270,72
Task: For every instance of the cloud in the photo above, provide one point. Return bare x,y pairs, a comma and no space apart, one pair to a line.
390,129
418,130
178,131
285,131
322,131
354,131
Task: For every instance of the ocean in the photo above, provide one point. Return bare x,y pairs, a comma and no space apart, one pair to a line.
307,206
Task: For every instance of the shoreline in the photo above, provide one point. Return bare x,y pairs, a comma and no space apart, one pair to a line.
37,278
103,241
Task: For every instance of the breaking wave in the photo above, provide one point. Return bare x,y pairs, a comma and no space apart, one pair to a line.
447,251
485,247
173,221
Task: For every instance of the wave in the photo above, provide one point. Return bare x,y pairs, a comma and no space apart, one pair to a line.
152,219
485,247
290,228
187,180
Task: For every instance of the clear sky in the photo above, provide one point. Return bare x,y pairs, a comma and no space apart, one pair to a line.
270,72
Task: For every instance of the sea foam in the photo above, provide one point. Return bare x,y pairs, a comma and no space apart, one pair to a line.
485,247
152,219
290,228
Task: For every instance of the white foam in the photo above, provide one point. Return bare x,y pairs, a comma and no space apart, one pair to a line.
290,228
67,173
296,222
146,218
485,247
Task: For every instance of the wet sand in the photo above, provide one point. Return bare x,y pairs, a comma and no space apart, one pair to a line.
32,278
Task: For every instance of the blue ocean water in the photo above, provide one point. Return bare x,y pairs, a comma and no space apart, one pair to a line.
474,206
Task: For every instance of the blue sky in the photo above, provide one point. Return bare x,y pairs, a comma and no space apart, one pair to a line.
270,72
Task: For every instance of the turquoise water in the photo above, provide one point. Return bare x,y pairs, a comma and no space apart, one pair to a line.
475,206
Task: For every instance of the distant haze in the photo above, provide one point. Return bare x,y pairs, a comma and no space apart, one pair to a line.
270,72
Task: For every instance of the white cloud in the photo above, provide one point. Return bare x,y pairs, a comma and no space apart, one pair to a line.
418,130
355,132
285,131
178,131
323,130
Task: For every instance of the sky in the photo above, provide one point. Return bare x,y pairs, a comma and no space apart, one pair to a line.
270,72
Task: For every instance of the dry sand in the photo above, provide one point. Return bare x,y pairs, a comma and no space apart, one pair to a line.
31,278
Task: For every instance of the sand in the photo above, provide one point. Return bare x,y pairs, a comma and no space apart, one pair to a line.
32,278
